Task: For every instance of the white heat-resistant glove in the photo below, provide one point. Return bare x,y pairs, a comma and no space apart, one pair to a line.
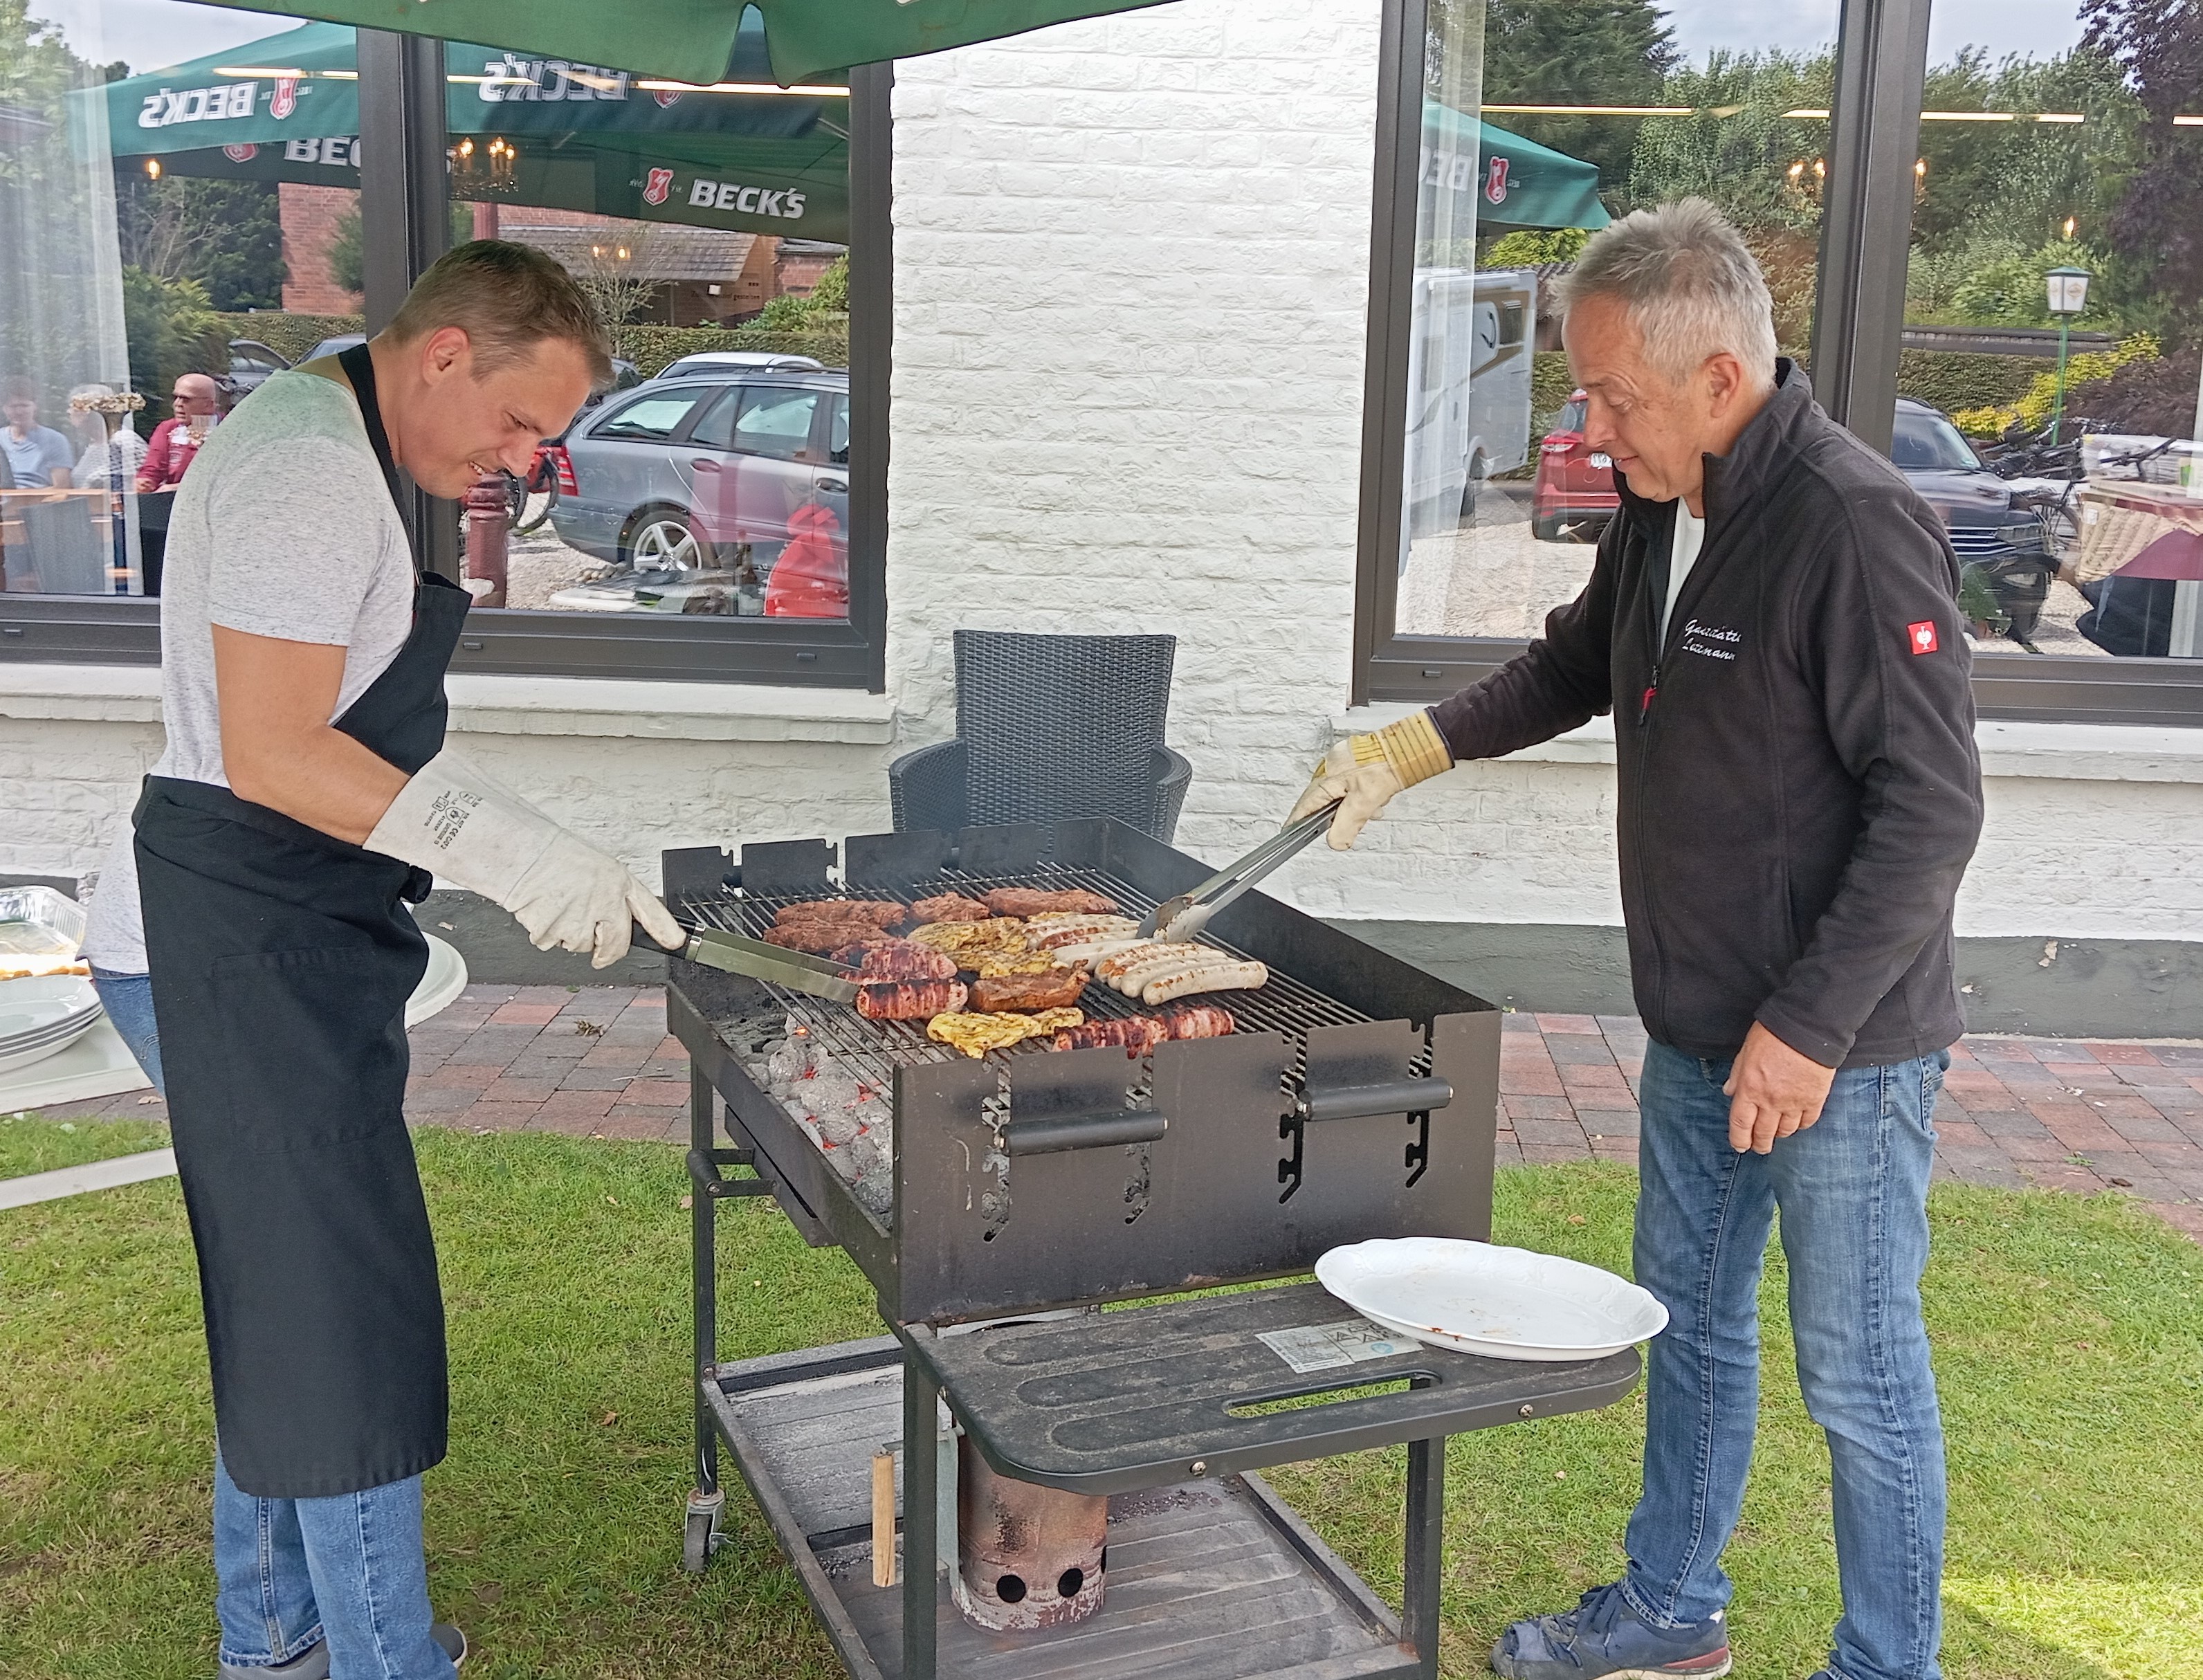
1363,771
461,824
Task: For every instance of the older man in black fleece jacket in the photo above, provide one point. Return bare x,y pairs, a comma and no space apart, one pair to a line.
1772,619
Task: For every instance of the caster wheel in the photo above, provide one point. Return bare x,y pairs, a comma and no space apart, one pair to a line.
700,1536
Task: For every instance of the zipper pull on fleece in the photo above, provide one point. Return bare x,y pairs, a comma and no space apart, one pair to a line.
1645,706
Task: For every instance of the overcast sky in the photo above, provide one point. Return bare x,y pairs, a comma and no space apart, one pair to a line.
150,34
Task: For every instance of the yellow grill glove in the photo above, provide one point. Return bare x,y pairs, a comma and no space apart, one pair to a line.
1363,771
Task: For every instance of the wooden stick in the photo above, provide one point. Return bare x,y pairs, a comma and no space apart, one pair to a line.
883,1518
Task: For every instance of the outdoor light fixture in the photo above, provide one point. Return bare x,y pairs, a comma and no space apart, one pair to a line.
153,168
2069,296
2070,225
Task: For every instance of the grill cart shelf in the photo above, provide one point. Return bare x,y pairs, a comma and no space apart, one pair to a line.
1356,1100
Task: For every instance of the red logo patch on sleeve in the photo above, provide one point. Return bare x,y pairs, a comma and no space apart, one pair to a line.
1921,635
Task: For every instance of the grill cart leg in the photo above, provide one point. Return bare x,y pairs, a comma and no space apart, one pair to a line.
921,1536
1422,1567
705,1276
700,1530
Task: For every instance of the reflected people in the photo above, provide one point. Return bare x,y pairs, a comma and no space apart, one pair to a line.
38,457
196,403
110,459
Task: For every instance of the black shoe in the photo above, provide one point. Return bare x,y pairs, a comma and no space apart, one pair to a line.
454,1642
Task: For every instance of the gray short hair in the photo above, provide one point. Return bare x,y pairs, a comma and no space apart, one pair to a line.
1692,286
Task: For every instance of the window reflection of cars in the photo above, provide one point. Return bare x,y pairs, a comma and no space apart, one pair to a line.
2005,565
725,493
1574,492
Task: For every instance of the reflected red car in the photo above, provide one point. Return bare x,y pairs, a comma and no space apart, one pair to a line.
1574,494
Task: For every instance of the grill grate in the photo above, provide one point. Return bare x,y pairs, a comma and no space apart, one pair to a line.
875,1048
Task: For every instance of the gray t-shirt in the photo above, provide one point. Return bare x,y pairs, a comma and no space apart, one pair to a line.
283,527
34,457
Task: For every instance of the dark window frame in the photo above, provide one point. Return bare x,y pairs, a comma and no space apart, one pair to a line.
405,224
1859,310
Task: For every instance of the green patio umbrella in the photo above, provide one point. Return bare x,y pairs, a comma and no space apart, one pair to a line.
700,40
1513,182
524,129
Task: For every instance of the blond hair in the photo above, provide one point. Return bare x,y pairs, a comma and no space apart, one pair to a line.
507,298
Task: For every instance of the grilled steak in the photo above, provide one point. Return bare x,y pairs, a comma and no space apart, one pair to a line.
1033,901
880,912
1056,989
910,1000
818,936
949,906
891,959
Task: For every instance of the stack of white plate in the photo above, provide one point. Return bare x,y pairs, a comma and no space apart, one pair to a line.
42,1016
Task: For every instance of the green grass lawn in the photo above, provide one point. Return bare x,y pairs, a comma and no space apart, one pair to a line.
2070,1340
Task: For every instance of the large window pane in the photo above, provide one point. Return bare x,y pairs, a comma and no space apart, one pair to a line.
1542,121
2061,143
708,223
145,256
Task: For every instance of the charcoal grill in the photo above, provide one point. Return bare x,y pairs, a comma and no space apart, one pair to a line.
1358,1099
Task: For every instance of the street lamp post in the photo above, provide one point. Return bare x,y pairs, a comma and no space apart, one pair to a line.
2069,296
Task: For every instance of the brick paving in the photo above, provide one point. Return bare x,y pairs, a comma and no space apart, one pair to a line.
2056,1113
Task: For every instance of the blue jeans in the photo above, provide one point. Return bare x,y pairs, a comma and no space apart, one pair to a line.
349,1568
1852,1189
128,999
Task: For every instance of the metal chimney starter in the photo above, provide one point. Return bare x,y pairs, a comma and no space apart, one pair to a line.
1027,1557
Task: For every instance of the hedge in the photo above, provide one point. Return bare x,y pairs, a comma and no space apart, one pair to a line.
289,335
1952,380
651,348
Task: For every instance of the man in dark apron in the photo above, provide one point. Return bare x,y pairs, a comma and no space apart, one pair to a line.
274,875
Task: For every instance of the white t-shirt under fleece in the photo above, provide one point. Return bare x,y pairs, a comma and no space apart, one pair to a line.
283,528
1682,555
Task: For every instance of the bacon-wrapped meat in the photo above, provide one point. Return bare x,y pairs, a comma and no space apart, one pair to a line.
1055,989
1137,1035
949,906
910,1000
1200,1021
891,959
1035,902
879,912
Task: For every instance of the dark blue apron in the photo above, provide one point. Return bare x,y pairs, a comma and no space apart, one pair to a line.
281,959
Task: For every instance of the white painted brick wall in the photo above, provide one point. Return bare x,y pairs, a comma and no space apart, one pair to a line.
1131,269
1130,274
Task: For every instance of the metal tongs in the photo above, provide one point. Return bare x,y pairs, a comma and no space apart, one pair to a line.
793,971
1181,918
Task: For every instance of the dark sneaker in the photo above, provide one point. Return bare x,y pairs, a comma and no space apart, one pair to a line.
310,1663
452,1642
1604,1639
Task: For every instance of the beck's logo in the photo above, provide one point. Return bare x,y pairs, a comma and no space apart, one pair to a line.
241,154
1495,180
1922,636
655,189
285,99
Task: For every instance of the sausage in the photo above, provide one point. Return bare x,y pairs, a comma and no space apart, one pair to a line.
1114,967
1214,977
910,1000
1080,930
1168,960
